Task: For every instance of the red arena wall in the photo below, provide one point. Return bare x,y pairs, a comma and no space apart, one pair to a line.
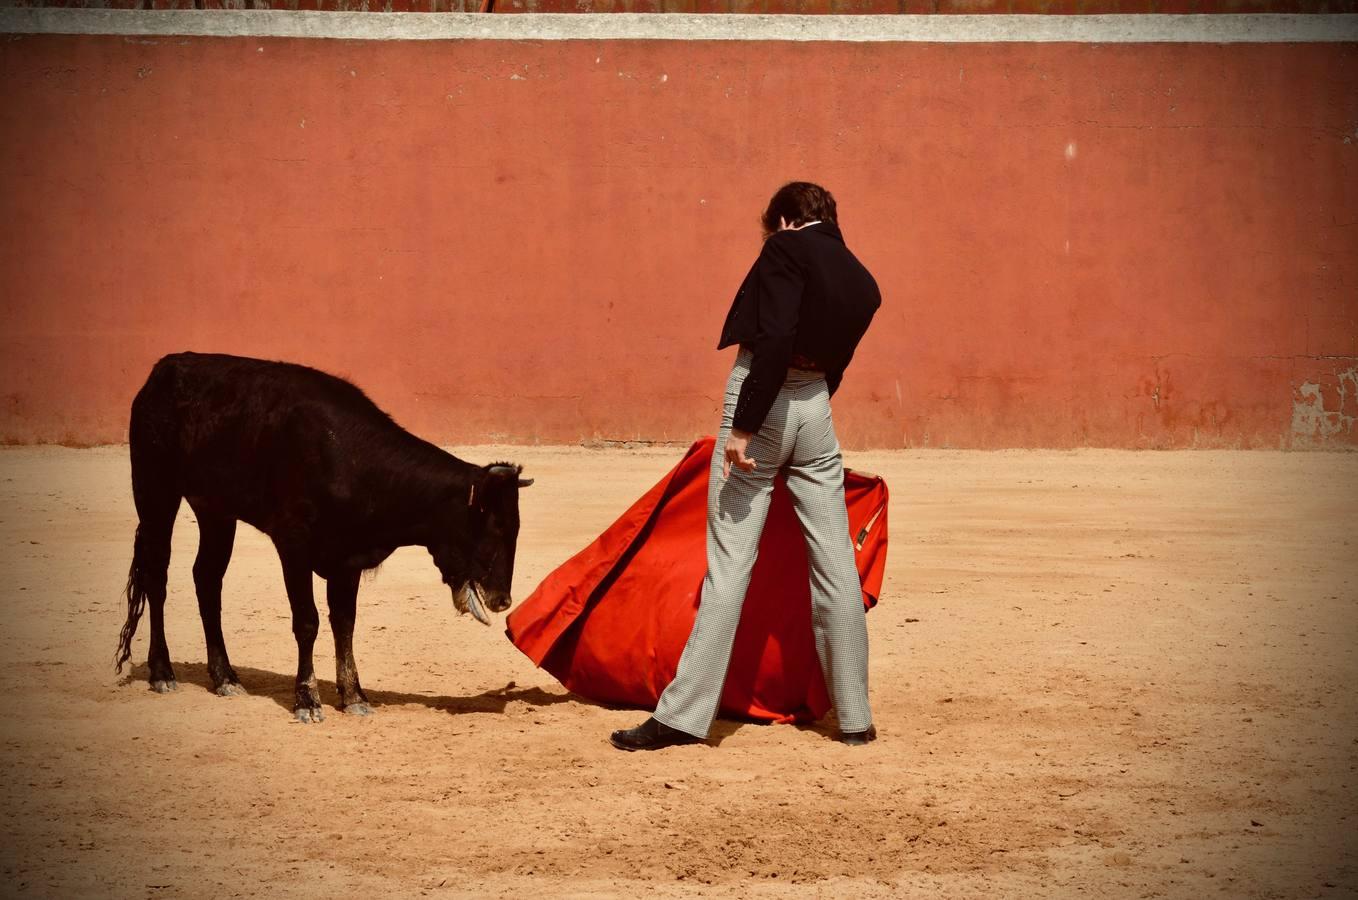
1079,244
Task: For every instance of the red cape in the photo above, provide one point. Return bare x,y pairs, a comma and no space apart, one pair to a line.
611,622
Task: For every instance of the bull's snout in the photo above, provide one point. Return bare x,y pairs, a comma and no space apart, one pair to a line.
498,601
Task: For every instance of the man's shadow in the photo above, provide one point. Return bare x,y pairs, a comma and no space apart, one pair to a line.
279,687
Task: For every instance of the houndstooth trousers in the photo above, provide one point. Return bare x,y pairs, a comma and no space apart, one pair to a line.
797,437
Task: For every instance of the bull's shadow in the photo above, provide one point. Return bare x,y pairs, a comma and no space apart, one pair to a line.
280,688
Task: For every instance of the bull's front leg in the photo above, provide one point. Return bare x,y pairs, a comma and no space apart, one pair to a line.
305,624
341,593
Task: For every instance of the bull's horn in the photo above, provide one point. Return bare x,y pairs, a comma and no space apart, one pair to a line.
474,605
501,470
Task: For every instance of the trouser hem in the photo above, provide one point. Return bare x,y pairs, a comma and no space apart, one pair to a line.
690,733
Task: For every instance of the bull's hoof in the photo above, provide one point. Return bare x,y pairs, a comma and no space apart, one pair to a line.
306,714
231,689
165,686
358,709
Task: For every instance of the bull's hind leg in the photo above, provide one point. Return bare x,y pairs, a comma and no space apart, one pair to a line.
156,511
305,624
216,536
153,546
155,490
341,592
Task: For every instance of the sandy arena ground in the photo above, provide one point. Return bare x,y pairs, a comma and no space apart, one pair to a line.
1095,673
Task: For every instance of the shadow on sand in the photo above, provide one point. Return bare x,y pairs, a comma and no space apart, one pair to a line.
278,687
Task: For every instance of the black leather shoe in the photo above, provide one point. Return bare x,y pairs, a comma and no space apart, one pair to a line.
859,738
651,735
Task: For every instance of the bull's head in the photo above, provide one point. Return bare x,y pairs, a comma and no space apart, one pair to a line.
476,554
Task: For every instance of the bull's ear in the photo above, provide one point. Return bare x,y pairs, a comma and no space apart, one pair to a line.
524,482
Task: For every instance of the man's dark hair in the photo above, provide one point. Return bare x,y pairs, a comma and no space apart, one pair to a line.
798,202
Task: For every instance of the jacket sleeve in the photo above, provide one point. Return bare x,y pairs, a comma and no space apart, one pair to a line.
833,378
779,281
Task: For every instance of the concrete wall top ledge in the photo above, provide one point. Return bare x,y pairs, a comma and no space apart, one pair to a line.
992,28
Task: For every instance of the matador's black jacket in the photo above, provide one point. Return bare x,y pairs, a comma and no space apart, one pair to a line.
806,298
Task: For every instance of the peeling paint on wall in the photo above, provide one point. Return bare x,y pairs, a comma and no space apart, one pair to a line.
1316,422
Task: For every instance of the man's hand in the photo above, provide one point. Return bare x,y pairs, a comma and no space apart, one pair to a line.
736,445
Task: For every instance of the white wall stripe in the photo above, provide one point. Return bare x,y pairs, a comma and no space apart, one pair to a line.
1113,29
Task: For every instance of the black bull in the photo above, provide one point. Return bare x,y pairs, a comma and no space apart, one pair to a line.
309,460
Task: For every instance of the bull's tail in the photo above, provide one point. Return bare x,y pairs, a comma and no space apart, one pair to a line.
136,602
